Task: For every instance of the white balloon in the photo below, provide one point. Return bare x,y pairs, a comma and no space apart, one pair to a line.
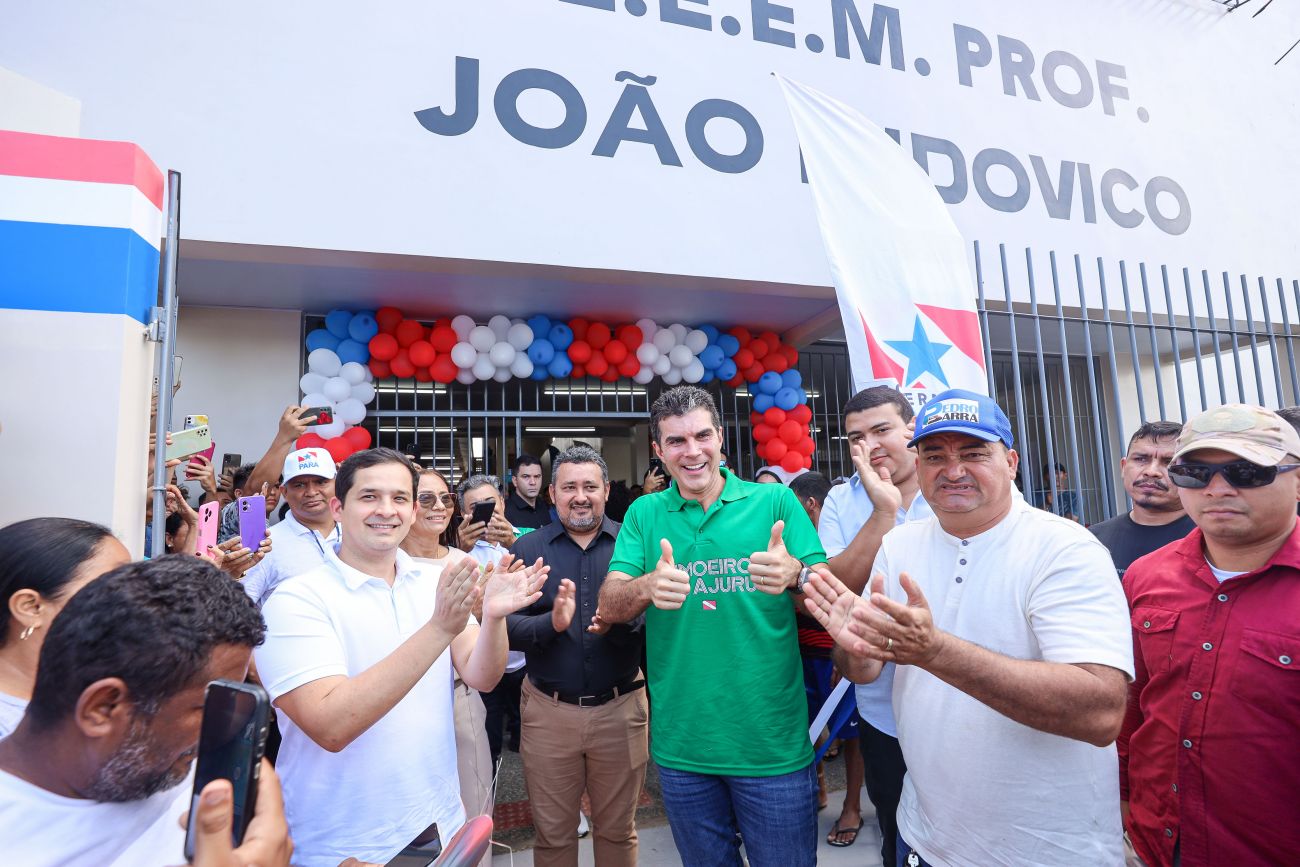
502,354
466,377
644,375
363,392
463,356
370,374
337,388
502,374
519,336
482,338
522,367
694,371
500,326
311,382
332,429
351,411
648,328
664,341
680,356
462,325
315,399
517,320
679,331
662,365
696,341
647,353
483,367
672,377
354,372
324,361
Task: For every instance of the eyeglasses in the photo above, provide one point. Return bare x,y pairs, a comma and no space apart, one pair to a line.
427,500
1239,474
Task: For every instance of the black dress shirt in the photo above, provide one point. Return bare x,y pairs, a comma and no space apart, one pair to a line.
573,662
520,514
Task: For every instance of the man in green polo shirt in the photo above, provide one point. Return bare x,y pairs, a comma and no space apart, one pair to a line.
713,562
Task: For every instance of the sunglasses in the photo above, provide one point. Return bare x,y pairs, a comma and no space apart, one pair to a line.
1239,474
427,500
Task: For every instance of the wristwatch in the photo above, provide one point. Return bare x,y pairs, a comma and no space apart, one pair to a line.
804,574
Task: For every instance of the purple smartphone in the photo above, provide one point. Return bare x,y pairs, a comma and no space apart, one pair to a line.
252,521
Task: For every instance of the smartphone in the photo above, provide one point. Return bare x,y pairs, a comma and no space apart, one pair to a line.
482,512
209,514
232,739
324,414
252,521
195,420
657,466
189,442
231,462
193,465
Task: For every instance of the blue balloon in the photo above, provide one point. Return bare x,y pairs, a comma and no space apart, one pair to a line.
560,365
337,322
540,372
363,327
350,350
708,376
541,324
769,383
763,402
791,378
560,336
540,352
726,370
321,339
711,330
803,396
729,343
787,399
711,357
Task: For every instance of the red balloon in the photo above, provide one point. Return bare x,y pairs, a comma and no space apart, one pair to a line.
743,358
310,441
359,437
791,354
579,371
388,319
339,448
610,375
806,446
421,353
776,362
579,352
755,419
758,349
801,413
753,372
775,450
615,351
443,369
383,347
764,432
598,334
791,432
597,365
422,374
443,338
629,366
773,342
380,368
775,416
403,367
807,462
792,462
408,331
579,326
741,333
631,336
735,380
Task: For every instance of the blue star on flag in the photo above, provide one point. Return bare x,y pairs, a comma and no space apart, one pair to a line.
922,355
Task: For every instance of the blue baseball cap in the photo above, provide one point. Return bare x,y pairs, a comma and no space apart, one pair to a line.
960,411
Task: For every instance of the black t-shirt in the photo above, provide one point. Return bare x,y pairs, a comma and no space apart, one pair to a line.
520,514
1128,540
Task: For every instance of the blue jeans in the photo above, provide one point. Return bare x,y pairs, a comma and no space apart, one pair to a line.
710,815
904,851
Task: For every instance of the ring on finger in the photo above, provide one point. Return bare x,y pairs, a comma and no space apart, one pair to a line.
889,644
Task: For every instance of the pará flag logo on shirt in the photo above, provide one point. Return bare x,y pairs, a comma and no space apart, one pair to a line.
710,605
897,260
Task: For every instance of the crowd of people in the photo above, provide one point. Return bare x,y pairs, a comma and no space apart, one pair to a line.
1028,691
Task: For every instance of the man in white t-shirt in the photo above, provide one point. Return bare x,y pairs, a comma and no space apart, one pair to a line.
358,660
99,770
1013,655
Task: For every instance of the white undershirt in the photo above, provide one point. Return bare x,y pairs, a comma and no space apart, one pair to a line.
1222,575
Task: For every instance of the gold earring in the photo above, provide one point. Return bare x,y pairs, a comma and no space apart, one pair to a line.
27,633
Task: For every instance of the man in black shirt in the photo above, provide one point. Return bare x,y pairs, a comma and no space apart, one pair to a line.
584,708
524,508
1157,517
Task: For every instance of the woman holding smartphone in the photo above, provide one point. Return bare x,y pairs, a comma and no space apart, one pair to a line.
43,562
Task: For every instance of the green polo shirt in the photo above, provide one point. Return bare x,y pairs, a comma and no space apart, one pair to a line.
725,678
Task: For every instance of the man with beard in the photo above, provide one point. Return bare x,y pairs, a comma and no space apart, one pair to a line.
1157,517
584,709
97,771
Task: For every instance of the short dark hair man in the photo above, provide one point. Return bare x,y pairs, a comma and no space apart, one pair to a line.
709,562
585,715
811,489
1208,759
98,770
1157,517
524,506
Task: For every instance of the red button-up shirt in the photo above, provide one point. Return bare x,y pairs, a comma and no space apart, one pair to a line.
1210,751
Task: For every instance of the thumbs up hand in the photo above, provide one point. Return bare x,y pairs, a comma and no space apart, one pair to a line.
668,584
774,570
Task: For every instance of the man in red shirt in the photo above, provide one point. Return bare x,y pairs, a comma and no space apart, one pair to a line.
1210,750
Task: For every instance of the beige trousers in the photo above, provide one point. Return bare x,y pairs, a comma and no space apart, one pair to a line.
473,761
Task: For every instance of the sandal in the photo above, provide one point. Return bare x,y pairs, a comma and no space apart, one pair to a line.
833,838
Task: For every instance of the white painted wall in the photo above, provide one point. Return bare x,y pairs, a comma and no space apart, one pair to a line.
26,106
241,370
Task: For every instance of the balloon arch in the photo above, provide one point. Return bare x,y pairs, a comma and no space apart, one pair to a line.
353,350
